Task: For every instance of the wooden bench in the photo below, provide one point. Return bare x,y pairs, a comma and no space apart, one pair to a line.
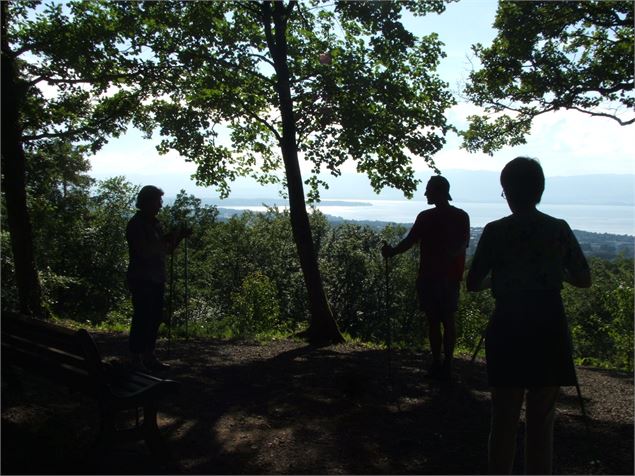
71,357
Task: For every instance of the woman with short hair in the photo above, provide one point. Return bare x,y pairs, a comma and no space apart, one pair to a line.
525,258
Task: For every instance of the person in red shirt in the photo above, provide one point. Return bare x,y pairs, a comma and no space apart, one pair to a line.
443,234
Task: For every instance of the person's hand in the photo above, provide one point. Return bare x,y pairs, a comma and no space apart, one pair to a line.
386,250
185,231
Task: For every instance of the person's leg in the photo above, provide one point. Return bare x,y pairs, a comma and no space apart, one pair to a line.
540,415
449,341
155,319
434,335
141,304
158,293
429,304
506,405
449,303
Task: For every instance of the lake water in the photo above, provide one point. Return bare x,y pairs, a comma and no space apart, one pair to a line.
614,219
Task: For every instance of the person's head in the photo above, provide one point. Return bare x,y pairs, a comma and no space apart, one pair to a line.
523,182
438,190
149,200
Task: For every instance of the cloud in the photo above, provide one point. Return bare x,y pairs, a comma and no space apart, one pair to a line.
572,143
132,154
566,143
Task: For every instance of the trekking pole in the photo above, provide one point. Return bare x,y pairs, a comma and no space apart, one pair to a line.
478,347
170,300
387,311
581,401
187,295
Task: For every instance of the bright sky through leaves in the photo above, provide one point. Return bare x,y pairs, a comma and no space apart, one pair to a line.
566,142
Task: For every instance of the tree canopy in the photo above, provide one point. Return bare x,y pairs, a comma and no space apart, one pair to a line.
377,101
549,56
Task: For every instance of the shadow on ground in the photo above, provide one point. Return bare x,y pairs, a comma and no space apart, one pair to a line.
285,408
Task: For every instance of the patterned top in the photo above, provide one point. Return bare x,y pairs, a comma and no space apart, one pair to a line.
443,234
528,252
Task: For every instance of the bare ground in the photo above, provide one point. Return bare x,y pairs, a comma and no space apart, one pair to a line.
286,408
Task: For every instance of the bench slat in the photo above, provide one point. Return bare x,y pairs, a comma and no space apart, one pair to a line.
72,357
42,332
73,376
47,353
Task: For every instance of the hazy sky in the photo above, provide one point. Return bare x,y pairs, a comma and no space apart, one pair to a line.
566,142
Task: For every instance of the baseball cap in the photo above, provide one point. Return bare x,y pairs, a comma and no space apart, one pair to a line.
440,183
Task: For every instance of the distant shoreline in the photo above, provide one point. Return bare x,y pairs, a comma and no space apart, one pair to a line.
602,245
328,202
273,202
601,219
226,213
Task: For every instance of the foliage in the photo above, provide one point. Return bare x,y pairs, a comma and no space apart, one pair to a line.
549,56
9,294
63,72
79,233
255,305
244,280
74,68
206,87
601,318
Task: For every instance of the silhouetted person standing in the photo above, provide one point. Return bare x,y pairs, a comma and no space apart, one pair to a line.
443,234
147,247
524,258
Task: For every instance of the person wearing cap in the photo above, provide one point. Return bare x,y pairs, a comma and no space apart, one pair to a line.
443,234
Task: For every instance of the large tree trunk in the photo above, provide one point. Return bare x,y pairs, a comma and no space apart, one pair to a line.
323,328
14,183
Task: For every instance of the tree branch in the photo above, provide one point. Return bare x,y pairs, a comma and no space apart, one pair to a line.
264,122
266,22
575,108
64,134
289,8
614,89
604,114
247,70
262,57
113,77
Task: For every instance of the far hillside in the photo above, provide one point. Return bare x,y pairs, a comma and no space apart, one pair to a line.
601,245
466,186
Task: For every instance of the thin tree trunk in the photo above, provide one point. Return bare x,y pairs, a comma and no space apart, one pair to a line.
322,328
14,183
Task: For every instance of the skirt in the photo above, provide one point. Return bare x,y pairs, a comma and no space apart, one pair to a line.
528,343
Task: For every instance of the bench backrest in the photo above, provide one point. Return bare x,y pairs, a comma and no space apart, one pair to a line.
60,353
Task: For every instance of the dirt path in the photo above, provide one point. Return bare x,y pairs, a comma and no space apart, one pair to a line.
285,408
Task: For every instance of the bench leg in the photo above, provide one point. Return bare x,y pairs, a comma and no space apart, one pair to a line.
11,382
153,439
107,429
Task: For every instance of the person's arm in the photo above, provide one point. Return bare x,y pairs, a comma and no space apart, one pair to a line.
173,238
478,277
579,279
576,269
408,242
